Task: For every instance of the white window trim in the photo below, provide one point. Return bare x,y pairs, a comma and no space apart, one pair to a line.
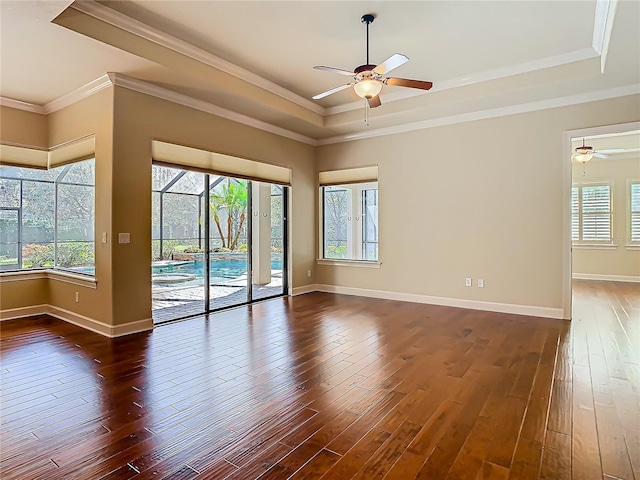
78,279
349,263
353,233
596,244
629,244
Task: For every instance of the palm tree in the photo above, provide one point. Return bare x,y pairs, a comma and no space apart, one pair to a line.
233,199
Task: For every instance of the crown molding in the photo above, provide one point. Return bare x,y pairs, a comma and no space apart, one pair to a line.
78,94
118,79
602,28
59,103
490,113
147,88
481,77
20,105
149,33
179,98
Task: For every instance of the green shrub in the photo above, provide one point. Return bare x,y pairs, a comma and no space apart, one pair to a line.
77,254
37,255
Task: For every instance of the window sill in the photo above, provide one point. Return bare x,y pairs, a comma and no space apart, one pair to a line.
58,275
348,263
594,246
632,246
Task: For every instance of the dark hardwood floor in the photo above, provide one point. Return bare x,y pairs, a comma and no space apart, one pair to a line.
333,387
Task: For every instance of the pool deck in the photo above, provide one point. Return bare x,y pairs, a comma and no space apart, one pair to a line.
170,303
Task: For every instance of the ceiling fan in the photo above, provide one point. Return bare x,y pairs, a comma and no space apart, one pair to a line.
368,79
584,153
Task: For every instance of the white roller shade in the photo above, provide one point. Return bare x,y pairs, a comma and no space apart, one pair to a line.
209,162
70,152
23,157
74,151
348,175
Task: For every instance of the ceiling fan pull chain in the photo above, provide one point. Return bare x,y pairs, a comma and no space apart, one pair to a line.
366,112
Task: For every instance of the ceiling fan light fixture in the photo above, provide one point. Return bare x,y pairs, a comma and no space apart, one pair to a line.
367,88
583,157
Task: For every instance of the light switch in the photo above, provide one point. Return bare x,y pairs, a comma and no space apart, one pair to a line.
124,238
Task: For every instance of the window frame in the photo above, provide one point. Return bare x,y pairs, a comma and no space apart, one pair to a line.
55,242
355,233
630,243
580,242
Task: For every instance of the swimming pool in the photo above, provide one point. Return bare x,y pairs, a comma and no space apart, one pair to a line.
219,271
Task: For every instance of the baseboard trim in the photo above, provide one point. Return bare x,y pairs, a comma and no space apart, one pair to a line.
91,324
606,278
304,289
528,310
31,311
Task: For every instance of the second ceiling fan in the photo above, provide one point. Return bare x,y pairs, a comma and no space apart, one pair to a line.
368,79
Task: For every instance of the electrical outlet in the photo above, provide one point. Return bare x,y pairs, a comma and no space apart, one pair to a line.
77,297
480,283
309,273
467,282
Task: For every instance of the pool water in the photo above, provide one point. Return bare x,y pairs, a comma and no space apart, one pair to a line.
219,270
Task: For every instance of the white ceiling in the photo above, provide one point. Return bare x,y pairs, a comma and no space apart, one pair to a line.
255,58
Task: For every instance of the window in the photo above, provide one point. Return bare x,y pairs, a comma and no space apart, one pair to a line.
634,212
591,213
47,217
350,221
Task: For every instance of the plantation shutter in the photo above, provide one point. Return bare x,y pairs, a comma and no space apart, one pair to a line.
596,213
635,212
575,214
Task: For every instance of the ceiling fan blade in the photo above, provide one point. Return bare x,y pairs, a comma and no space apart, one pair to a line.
374,101
404,82
600,155
335,70
610,151
332,91
394,61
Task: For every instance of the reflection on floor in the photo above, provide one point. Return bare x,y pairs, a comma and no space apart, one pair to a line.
333,387
170,303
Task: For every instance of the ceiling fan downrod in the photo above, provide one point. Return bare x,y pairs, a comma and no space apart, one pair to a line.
368,19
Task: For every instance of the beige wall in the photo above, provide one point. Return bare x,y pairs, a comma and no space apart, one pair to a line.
23,293
140,118
124,123
619,261
481,199
23,128
91,116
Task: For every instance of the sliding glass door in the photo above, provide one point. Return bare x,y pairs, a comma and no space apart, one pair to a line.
229,217
218,242
268,240
177,280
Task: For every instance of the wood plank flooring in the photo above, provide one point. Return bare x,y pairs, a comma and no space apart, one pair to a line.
332,387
